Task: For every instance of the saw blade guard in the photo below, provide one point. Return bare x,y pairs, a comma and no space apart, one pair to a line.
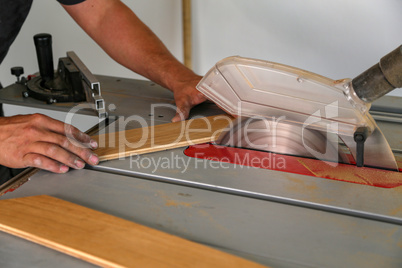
248,87
255,88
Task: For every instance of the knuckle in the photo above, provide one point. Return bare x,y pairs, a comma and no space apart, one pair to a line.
32,160
85,137
72,131
68,128
32,128
37,161
51,150
37,117
80,136
65,143
42,162
69,160
85,154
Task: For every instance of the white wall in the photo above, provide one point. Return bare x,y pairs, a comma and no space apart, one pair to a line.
163,16
337,39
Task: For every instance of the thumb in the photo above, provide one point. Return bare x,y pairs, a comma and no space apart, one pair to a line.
181,114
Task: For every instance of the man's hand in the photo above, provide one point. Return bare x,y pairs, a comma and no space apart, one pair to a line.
40,141
186,97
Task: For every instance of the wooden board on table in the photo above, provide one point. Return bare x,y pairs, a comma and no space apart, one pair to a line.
161,137
103,239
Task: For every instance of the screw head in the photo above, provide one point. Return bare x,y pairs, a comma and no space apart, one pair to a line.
51,100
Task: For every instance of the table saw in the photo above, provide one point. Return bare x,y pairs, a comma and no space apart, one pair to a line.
292,211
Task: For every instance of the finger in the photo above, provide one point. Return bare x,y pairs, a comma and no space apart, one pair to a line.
43,162
72,145
75,135
77,149
68,154
55,152
65,129
47,143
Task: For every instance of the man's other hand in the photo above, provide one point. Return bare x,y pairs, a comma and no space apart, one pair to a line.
186,97
40,141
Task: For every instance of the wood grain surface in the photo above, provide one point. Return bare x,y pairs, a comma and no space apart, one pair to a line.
187,33
161,137
103,239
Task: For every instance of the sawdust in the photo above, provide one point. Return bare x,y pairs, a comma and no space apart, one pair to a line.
213,222
398,189
169,202
349,173
396,211
175,203
308,189
399,161
307,167
301,185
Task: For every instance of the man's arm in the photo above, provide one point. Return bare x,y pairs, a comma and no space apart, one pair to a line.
131,43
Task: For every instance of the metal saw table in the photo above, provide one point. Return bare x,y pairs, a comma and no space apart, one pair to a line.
275,218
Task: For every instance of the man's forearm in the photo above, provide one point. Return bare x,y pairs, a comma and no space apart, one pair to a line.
129,41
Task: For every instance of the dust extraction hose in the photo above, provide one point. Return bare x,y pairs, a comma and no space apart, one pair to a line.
380,78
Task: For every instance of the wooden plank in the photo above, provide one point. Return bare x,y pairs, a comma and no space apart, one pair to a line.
161,137
103,239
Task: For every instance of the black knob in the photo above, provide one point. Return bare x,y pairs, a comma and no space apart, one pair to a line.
17,71
360,137
43,44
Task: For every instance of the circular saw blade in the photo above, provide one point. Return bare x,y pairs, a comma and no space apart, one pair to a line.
284,138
